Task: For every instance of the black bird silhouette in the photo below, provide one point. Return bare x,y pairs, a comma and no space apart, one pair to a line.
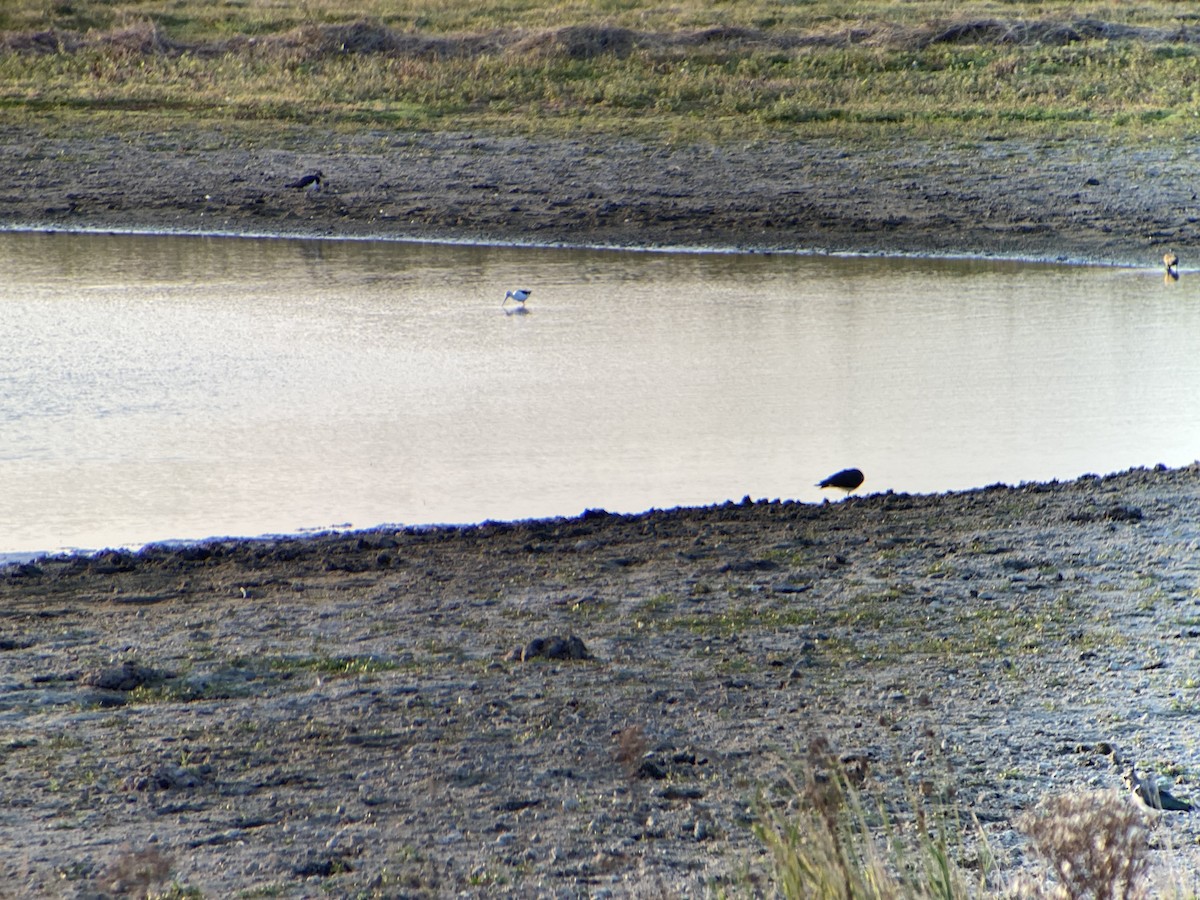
846,480
312,179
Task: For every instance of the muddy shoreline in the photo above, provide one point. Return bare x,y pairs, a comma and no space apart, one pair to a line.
351,713
1080,201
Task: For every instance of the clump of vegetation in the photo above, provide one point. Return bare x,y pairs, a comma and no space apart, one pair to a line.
1097,844
631,745
842,838
141,874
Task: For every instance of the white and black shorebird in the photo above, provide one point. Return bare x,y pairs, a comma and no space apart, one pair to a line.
845,480
520,295
312,181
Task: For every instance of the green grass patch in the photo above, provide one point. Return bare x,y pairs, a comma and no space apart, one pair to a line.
684,71
247,676
322,664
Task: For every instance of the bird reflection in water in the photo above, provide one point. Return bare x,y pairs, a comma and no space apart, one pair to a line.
520,296
1171,264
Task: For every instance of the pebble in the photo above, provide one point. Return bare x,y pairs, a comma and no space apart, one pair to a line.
554,647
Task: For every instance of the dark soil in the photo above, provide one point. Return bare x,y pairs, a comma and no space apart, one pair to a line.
1057,201
380,713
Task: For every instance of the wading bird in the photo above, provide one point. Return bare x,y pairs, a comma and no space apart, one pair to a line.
312,181
1171,261
846,480
520,296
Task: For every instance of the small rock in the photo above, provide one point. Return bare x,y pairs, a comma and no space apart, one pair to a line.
680,792
315,866
126,677
650,769
554,647
167,778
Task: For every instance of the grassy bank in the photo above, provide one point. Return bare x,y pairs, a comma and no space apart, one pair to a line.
750,70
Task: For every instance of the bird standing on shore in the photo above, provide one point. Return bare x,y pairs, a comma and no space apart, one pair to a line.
846,480
1171,261
1147,792
312,181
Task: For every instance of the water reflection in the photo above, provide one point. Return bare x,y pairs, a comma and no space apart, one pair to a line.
163,387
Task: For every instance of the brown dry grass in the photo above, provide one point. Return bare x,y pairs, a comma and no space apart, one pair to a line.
587,41
696,73
1097,844
136,873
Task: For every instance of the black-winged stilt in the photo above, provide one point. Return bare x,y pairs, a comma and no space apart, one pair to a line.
519,295
311,181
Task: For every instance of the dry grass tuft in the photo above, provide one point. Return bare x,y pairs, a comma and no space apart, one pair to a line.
136,39
579,42
358,37
846,836
136,873
843,839
631,748
1097,845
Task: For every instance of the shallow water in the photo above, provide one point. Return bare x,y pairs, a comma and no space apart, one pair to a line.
159,388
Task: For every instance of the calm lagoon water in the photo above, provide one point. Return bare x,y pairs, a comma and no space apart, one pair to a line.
156,388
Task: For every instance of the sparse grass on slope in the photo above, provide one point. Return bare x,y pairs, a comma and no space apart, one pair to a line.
692,70
847,837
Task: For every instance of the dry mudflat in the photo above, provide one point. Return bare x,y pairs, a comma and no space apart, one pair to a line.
344,715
